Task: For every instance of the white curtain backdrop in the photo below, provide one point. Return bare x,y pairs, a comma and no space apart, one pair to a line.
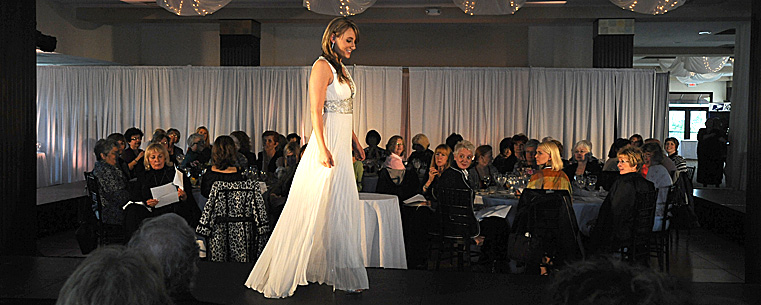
485,105
78,105
735,170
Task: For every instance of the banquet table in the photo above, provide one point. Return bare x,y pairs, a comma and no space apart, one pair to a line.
382,239
586,208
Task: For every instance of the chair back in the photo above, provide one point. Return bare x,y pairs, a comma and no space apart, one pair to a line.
455,212
93,196
235,222
690,172
547,217
641,230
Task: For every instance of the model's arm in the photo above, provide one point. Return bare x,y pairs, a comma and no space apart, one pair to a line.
357,147
319,80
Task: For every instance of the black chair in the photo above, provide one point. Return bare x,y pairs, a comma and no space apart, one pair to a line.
660,244
547,219
107,233
456,226
637,247
690,172
235,222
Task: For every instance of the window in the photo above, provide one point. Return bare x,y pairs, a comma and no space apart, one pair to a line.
688,112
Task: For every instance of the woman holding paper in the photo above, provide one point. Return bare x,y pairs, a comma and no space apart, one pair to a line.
157,178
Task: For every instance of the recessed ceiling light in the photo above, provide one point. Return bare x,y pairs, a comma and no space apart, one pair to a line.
704,33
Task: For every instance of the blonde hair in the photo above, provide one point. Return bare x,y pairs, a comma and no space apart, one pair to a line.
208,142
337,27
152,149
634,154
550,148
446,151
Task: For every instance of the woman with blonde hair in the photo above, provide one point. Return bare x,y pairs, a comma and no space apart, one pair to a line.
551,175
317,237
439,162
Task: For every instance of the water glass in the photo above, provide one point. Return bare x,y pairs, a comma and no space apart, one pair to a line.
591,182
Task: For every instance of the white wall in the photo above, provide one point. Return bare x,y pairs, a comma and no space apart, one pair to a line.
74,37
560,46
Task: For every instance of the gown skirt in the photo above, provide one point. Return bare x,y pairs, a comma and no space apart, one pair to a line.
317,237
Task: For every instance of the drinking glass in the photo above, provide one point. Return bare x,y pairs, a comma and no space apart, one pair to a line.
591,182
580,182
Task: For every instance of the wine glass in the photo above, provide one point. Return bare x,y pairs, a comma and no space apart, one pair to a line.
591,182
580,181
501,180
180,158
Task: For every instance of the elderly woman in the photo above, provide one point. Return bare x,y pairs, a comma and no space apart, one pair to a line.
112,183
484,172
223,160
656,173
613,225
158,172
583,162
196,157
394,178
551,175
671,145
505,161
439,163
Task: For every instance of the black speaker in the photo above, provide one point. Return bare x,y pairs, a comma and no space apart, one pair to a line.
45,43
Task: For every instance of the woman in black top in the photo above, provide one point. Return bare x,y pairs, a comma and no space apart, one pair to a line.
223,157
505,161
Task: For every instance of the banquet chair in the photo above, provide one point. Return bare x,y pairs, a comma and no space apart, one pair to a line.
106,233
369,182
636,248
456,227
234,222
690,172
660,243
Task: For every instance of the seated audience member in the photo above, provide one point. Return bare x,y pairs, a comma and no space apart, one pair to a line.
609,172
172,243
394,178
293,137
420,156
561,149
223,160
359,170
614,222
484,173
196,158
666,162
505,161
636,140
671,145
115,275
133,155
278,193
452,140
121,145
656,173
204,132
245,146
164,140
176,152
112,185
374,155
159,173
241,161
610,281
519,146
529,154
492,231
438,164
551,175
583,161
267,158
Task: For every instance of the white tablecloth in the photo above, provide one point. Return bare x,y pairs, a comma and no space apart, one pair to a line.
382,239
42,170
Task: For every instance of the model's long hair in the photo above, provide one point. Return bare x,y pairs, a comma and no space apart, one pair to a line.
337,27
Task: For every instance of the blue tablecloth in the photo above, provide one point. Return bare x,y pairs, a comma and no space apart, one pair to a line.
585,208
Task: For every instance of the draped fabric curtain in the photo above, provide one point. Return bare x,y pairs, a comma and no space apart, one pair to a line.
76,106
735,170
661,108
485,105
482,104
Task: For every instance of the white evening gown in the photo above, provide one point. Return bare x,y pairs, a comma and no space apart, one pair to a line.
317,238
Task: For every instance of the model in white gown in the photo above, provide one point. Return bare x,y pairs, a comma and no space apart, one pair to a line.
317,237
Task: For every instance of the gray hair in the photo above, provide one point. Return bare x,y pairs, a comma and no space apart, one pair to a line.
173,243
584,143
104,146
115,275
657,151
195,138
532,143
464,144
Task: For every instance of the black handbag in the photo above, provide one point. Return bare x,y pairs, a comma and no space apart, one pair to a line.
521,248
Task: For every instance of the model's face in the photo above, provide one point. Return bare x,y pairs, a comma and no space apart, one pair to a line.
441,158
345,43
463,158
485,159
541,157
269,142
531,154
624,166
670,147
156,160
579,152
398,147
135,141
110,158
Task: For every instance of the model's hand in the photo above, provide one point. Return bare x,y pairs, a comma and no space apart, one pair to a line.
326,159
152,202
